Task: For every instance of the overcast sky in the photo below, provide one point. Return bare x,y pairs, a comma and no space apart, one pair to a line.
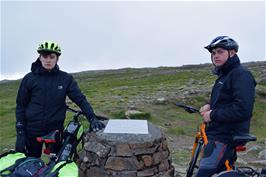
111,35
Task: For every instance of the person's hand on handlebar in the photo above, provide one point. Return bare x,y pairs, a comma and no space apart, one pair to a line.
205,108
206,116
96,125
205,112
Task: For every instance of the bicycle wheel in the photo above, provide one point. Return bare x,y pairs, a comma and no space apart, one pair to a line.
231,173
192,163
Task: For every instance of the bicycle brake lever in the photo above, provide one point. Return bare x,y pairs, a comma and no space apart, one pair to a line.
187,108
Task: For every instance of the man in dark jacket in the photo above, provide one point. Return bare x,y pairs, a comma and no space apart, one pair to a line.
41,99
231,105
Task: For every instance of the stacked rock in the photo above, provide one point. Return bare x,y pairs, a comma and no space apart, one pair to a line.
126,155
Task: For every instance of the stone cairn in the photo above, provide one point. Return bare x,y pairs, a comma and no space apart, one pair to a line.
126,155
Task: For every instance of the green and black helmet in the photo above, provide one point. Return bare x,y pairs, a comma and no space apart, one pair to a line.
49,46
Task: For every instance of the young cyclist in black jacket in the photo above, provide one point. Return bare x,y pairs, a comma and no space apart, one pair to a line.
230,109
41,99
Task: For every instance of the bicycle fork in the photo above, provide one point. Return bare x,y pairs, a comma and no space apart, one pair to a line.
201,138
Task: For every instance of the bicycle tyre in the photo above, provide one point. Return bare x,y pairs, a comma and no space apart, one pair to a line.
194,159
231,173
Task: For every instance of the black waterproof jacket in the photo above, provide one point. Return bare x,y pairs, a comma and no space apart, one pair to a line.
41,99
232,100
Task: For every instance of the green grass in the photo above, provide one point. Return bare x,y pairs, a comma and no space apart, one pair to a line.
259,119
180,156
176,131
113,92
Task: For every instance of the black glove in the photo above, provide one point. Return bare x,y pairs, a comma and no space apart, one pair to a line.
21,138
96,125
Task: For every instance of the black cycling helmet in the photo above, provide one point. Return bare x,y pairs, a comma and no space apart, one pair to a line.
224,42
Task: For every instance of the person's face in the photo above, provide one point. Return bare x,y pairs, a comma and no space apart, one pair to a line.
48,60
219,56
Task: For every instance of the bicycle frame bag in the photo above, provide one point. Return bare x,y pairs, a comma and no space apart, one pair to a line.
29,167
61,169
9,160
72,136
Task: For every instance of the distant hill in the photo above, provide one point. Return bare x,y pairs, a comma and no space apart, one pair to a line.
5,81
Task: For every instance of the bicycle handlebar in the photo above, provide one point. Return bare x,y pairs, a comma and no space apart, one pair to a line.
78,112
189,109
74,111
102,118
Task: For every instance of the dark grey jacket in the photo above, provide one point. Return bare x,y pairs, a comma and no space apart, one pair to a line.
41,99
232,100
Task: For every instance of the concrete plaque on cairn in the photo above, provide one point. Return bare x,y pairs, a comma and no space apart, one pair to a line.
126,148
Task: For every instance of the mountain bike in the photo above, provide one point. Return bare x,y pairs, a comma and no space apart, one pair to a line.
61,146
200,140
71,138
232,170
238,144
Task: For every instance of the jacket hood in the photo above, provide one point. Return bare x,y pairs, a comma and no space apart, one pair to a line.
36,68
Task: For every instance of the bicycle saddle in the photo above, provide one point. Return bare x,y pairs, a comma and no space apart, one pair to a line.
52,137
243,139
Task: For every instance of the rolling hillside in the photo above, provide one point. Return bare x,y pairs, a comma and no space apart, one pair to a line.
152,91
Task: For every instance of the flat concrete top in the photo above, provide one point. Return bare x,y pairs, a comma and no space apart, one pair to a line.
126,126
153,134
